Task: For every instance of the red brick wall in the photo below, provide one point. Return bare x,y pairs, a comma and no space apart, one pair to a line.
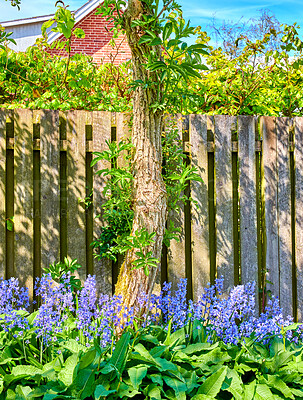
97,41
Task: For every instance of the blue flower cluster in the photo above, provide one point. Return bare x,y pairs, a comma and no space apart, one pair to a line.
56,304
88,317
14,300
230,317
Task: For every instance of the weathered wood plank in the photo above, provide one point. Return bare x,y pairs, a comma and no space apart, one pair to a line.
76,181
199,214
224,201
50,187
268,128
176,268
23,175
298,153
284,215
248,198
123,132
101,125
2,192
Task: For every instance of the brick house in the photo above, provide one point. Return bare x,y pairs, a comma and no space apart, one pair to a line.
97,41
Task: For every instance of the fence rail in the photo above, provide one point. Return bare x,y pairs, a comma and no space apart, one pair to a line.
247,218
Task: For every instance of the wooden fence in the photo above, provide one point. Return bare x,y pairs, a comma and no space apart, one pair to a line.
248,216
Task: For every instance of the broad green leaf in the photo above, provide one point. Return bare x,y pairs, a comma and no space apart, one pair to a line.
25,370
153,392
87,359
233,384
145,353
212,357
249,391
178,386
73,346
281,359
156,378
22,392
202,397
66,375
166,365
175,338
213,383
137,374
101,392
277,383
264,392
297,392
126,390
120,353
84,382
199,347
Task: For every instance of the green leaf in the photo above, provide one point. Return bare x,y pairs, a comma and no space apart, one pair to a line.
87,359
25,370
66,375
153,392
79,33
145,353
118,359
264,392
10,224
22,392
213,383
277,383
233,384
178,386
137,374
101,392
249,391
84,382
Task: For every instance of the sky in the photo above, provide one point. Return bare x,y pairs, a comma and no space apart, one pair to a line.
200,12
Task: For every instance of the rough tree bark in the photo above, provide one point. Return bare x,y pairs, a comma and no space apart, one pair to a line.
149,194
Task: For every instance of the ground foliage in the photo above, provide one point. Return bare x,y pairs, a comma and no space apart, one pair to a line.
215,348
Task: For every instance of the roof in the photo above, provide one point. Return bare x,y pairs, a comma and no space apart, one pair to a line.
26,21
80,14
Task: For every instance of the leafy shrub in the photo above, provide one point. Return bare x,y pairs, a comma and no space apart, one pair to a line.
35,79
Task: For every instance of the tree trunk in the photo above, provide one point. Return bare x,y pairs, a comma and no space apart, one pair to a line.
149,194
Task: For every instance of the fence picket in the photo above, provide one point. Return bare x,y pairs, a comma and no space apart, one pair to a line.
101,133
212,227
76,176
284,216
123,132
176,268
23,175
2,193
199,214
224,201
268,128
299,213
248,198
50,187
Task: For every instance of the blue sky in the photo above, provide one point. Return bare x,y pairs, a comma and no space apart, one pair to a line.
200,12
